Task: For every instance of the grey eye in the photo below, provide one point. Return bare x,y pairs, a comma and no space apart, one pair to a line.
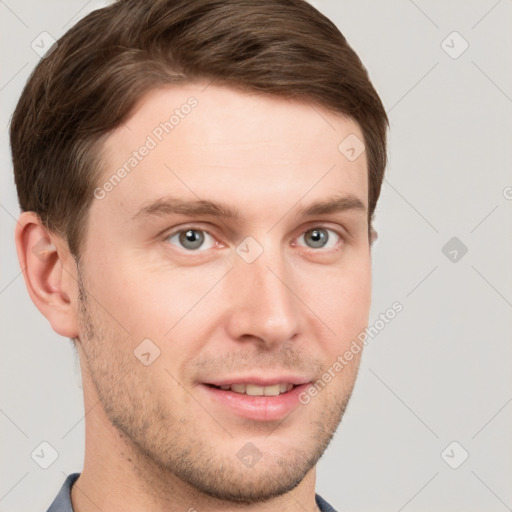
191,239
318,238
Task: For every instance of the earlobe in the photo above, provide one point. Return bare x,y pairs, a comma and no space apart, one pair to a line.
49,271
374,235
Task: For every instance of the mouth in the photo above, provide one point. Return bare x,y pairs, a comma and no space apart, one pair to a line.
257,399
255,389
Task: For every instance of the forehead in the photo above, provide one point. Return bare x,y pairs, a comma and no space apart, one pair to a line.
206,142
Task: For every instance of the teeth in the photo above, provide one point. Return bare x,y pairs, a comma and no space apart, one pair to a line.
254,390
272,390
238,388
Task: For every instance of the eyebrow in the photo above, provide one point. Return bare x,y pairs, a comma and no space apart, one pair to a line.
333,205
170,205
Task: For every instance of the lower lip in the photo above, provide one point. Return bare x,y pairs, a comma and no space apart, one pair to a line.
261,408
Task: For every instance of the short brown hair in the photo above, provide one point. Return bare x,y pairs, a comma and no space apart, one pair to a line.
106,62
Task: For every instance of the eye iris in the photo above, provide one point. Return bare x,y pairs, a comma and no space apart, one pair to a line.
318,237
191,239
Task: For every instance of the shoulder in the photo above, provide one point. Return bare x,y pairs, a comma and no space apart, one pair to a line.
62,502
323,505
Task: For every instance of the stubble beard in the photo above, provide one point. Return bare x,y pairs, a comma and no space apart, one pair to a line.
166,446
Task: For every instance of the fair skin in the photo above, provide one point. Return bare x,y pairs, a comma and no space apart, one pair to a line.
160,436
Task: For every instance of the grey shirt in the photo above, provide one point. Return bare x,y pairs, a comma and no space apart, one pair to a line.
62,502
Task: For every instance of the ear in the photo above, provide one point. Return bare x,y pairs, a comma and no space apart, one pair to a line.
373,236
50,273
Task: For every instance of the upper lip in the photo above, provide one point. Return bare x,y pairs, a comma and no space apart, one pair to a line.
260,381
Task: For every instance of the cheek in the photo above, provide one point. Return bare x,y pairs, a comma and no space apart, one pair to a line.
156,299
343,302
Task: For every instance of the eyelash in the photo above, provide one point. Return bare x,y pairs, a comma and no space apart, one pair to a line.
195,228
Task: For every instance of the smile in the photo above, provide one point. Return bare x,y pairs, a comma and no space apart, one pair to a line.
256,390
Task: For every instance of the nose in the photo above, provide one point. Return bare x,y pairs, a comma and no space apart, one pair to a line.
263,304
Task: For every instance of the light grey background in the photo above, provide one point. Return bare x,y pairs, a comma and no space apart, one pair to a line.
441,370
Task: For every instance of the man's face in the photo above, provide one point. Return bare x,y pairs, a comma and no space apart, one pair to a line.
216,307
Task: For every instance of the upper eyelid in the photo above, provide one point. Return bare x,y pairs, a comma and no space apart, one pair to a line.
167,234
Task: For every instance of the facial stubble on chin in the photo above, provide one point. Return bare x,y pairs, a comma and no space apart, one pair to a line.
161,444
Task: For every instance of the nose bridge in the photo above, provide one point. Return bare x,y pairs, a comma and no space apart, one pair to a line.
265,306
